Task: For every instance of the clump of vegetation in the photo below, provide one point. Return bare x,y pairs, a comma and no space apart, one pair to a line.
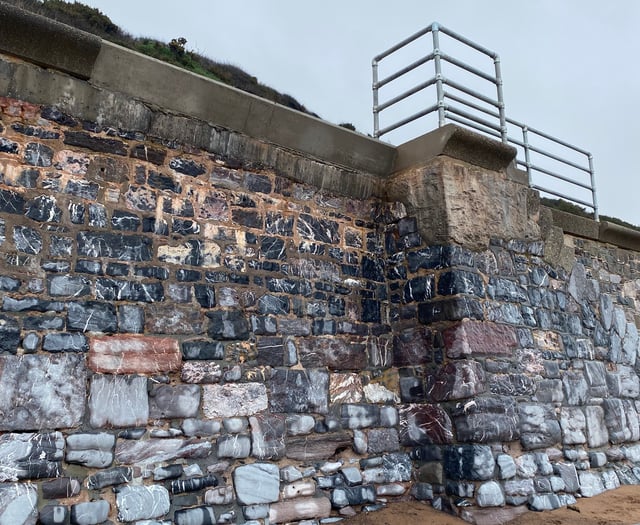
93,21
574,209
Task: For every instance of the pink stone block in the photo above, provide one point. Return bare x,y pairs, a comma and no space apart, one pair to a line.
479,337
131,354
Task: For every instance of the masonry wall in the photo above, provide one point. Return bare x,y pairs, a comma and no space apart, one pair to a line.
203,325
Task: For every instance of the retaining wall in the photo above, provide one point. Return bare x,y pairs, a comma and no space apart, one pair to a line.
217,310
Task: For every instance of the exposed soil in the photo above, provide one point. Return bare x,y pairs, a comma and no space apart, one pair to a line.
616,507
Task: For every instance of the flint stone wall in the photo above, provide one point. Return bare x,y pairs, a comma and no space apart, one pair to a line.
206,330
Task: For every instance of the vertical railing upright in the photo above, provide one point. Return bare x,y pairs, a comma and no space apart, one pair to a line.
439,79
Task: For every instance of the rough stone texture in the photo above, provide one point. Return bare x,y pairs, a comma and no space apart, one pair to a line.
90,513
18,504
480,338
233,400
171,402
53,397
118,401
129,354
299,509
257,483
138,503
130,452
91,450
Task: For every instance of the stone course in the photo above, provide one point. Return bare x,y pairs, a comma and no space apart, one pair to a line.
188,335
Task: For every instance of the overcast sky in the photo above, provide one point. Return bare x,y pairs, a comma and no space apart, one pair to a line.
570,67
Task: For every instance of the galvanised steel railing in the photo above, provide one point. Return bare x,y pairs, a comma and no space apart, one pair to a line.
486,113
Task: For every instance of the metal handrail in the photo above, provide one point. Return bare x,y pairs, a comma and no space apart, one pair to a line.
494,122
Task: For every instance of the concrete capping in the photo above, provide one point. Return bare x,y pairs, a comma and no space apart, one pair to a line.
619,235
458,143
604,231
575,225
46,42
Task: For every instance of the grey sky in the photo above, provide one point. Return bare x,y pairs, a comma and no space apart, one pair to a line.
569,66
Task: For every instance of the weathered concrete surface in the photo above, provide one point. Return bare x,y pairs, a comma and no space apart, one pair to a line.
447,197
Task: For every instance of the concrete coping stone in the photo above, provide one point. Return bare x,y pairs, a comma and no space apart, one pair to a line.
603,231
458,143
47,42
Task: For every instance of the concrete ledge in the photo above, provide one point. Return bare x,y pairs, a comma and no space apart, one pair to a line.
575,225
171,88
47,42
458,143
619,235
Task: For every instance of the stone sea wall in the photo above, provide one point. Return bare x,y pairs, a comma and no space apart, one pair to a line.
186,338
215,310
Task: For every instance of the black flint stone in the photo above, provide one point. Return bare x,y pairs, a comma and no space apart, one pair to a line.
371,311
273,304
152,272
92,267
11,202
419,289
202,350
43,209
228,324
124,220
8,146
31,304
151,225
460,282
55,115
115,246
27,240
76,212
272,248
65,342
454,309
185,227
270,351
43,322
317,229
143,152
107,478
187,167
373,269
38,155
193,484
118,290
9,334
202,515
257,183
9,284
32,131
59,488
205,295
82,189
92,316
248,218
38,469
117,269
163,182
188,275
84,140
131,319
97,216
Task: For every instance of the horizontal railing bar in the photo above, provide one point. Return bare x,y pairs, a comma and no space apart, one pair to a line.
473,118
548,137
559,159
471,92
407,120
404,95
468,68
465,40
560,177
473,125
471,104
563,196
406,41
403,71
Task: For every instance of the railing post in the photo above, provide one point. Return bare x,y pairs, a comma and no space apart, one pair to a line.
376,114
438,68
592,174
527,157
501,111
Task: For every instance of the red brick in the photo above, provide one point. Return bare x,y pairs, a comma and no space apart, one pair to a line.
130,354
479,338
